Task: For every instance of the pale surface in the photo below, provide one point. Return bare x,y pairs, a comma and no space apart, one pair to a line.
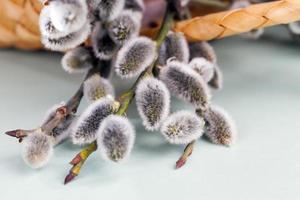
262,84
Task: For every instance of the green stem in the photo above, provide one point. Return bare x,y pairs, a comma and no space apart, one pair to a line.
71,107
214,3
165,28
127,97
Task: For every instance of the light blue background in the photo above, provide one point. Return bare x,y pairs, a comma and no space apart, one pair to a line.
262,92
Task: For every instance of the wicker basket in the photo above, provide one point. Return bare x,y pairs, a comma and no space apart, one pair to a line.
19,21
19,24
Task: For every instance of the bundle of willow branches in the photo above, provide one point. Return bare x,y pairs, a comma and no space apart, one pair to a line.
100,36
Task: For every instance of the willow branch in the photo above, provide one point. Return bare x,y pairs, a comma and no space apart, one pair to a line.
60,114
126,98
214,3
79,160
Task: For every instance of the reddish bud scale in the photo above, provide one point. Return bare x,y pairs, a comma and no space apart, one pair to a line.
76,160
180,163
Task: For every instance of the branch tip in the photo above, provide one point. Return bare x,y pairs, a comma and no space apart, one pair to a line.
17,133
70,177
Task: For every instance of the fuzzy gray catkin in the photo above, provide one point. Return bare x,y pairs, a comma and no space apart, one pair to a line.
175,46
294,27
110,9
124,27
62,131
93,4
69,41
254,34
103,46
186,84
220,128
135,5
46,26
217,79
236,4
86,127
203,67
153,102
77,60
182,127
115,138
37,149
205,50
68,16
184,2
134,57
96,87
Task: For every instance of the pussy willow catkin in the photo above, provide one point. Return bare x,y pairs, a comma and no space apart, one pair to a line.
169,65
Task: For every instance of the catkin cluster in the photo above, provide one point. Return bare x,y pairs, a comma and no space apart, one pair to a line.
173,67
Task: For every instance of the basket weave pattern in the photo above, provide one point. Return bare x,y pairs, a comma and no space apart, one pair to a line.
19,24
223,24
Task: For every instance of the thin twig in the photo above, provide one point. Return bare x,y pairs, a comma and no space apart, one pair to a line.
126,98
70,107
79,160
19,134
214,3
60,114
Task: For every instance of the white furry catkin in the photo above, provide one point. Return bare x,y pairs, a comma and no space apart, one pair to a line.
182,127
175,46
124,27
153,102
186,84
294,27
62,131
236,4
104,47
115,139
203,67
68,15
77,60
69,41
86,127
254,34
93,4
184,2
96,87
110,9
217,79
135,5
37,149
134,57
203,49
220,128
46,26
